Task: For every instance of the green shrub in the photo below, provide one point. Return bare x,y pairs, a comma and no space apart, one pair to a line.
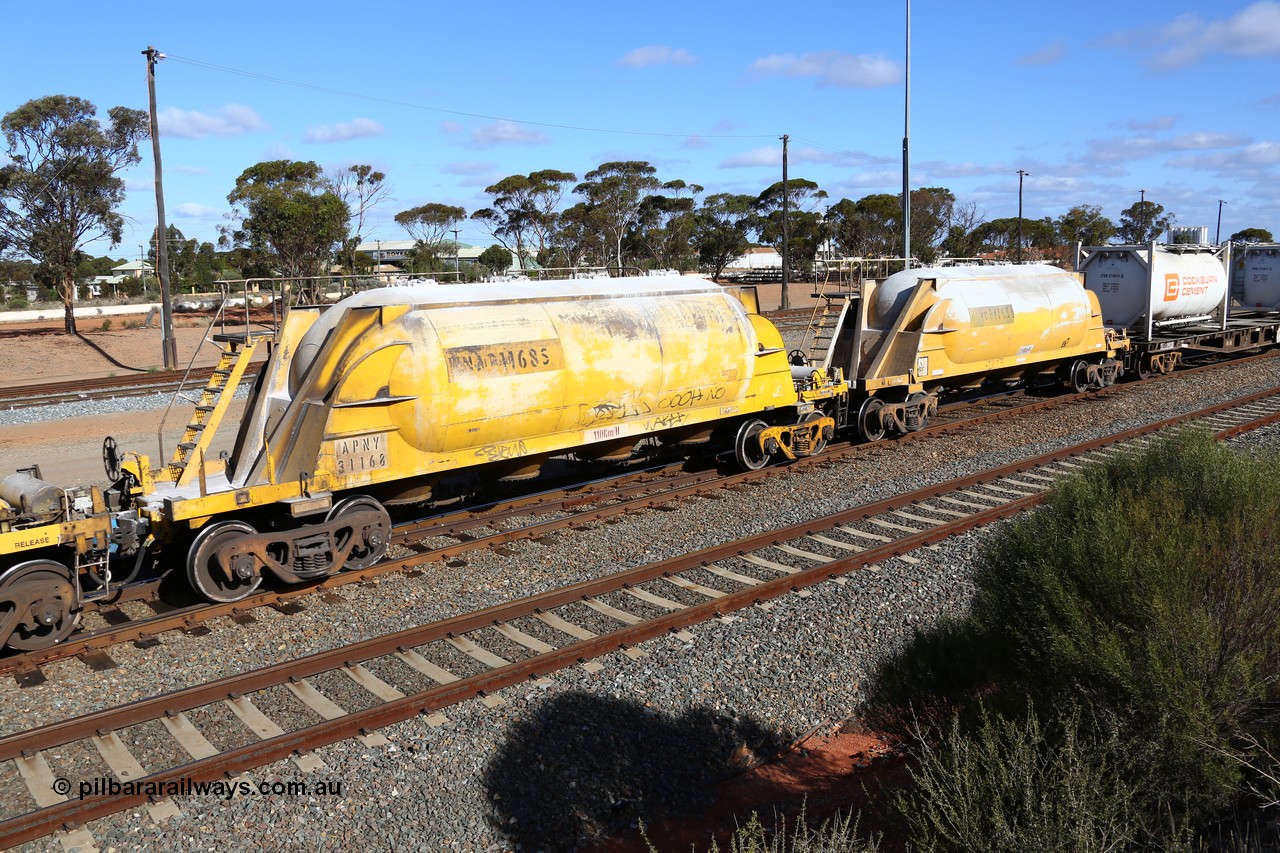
106,324
837,835
18,303
1146,589
1150,587
1009,785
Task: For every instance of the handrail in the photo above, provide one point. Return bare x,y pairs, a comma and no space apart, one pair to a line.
186,374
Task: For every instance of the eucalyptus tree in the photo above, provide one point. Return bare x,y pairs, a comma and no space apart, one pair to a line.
362,188
665,224
1001,235
1086,225
428,224
1143,221
615,191
722,229
870,227
805,226
1252,235
60,188
579,238
286,218
524,213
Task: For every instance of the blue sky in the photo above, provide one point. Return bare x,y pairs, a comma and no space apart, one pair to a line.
1179,99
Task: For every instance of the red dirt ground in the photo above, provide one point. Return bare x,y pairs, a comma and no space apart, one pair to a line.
825,773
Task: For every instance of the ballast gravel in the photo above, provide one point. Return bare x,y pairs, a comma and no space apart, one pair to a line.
581,754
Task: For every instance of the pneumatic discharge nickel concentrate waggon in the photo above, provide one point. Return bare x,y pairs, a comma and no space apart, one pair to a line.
420,394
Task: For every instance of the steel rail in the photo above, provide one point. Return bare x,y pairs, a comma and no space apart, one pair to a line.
455,524
49,819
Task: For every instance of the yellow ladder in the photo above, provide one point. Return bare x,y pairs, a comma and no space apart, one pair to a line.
825,320
213,402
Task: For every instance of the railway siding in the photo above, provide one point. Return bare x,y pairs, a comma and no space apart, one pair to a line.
980,498
794,665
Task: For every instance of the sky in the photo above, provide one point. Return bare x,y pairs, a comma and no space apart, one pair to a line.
1179,99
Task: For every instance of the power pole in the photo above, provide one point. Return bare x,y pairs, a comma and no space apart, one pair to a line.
1217,235
168,344
786,229
1021,175
906,155
456,264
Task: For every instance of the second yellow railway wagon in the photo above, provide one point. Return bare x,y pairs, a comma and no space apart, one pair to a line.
394,395
924,331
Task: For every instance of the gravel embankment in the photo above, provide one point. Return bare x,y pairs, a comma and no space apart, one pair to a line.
582,753
101,407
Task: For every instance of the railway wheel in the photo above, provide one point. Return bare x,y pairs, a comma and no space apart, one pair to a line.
870,421
746,447
1079,377
206,574
37,605
1145,368
371,540
820,443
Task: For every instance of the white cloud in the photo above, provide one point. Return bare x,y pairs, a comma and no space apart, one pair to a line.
449,126
694,141
505,132
1157,123
1203,141
772,156
860,182
767,156
1047,55
1250,159
358,128
1142,146
469,167
967,169
1123,148
656,54
1253,31
230,120
832,68
190,170
192,210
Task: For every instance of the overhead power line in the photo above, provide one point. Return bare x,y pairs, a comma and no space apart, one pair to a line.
857,155
398,103
225,69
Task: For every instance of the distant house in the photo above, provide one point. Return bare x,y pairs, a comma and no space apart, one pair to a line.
393,255
133,269
759,258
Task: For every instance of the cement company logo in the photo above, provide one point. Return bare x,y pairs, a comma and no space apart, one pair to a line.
1170,286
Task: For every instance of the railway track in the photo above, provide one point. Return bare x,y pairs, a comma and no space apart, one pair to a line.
491,526
405,674
103,388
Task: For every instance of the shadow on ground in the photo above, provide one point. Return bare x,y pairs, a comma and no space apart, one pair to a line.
587,765
108,356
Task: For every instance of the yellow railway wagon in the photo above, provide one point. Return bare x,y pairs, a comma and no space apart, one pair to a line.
922,331
395,394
